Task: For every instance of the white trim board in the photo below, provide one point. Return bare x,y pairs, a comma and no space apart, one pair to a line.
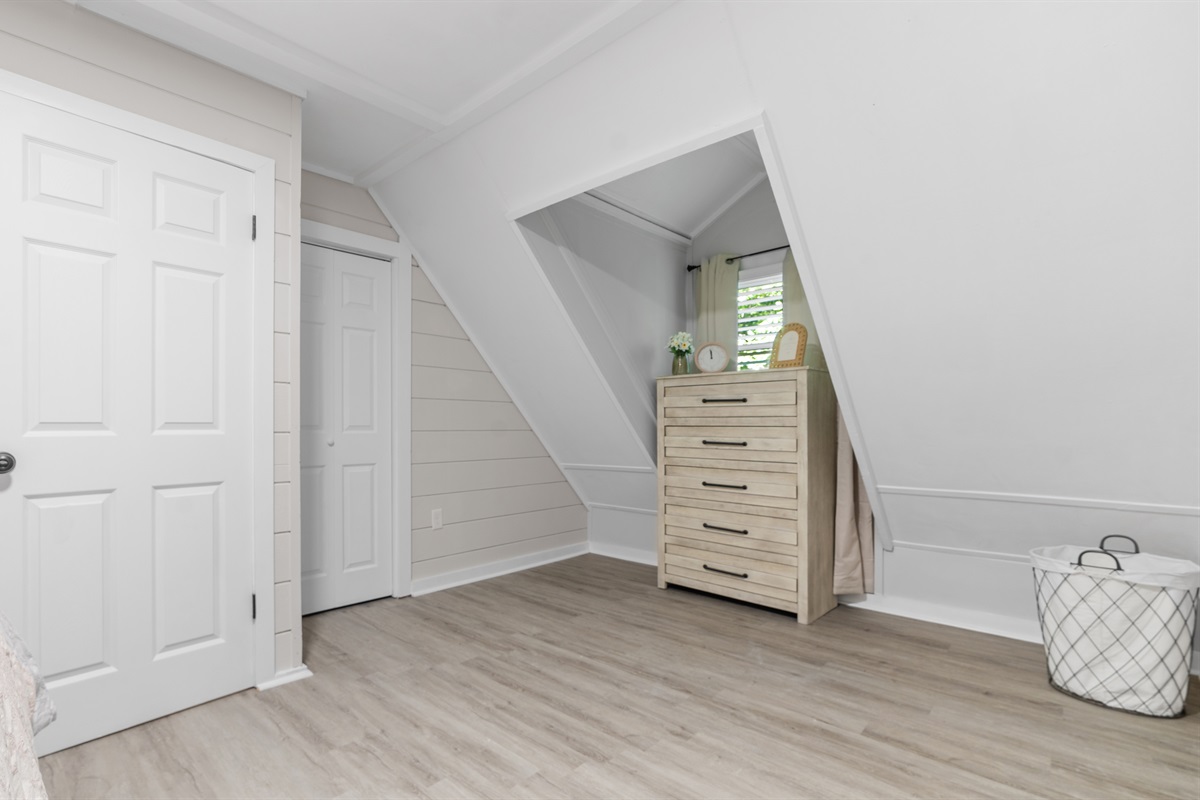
494,569
1045,500
637,165
969,619
1023,630
781,189
605,204
319,233
610,468
400,255
1016,558
631,554
629,509
287,676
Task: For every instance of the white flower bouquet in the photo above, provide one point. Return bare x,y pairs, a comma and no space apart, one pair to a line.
680,344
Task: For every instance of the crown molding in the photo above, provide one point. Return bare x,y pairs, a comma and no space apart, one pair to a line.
256,52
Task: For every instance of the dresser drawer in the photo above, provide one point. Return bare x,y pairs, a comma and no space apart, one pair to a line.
735,553
723,527
719,566
765,404
731,442
772,489
771,515
678,577
726,575
734,394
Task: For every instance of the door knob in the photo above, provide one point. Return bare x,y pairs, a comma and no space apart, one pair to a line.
7,463
329,442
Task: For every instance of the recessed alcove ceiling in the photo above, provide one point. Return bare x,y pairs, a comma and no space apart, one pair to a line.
687,193
386,82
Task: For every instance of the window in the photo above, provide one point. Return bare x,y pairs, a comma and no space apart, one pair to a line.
760,316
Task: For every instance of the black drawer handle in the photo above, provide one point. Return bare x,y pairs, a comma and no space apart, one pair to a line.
726,530
726,572
730,444
725,400
723,485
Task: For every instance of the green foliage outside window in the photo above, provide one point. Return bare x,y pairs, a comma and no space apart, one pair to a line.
760,316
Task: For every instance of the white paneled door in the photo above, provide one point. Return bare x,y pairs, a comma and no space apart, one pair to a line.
346,428
125,322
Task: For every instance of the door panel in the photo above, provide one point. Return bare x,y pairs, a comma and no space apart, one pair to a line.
126,550
345,454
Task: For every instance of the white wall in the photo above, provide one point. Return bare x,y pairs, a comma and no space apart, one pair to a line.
342,205
77,51
504,503
623,290
995,207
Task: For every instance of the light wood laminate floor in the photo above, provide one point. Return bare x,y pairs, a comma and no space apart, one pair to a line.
581,679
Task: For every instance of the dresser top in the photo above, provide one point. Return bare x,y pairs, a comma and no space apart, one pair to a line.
750,375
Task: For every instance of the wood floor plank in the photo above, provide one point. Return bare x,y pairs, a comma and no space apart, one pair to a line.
581,679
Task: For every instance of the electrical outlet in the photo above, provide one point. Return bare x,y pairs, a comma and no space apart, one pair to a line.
437,518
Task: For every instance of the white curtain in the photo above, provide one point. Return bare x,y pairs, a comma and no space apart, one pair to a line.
716,304
854,524
796,309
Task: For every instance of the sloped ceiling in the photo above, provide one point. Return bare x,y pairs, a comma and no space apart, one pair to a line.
386,82
686,194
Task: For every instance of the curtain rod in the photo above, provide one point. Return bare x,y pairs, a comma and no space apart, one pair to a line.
691,267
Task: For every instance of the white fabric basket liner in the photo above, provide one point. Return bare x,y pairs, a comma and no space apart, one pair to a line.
1143,568
1119,638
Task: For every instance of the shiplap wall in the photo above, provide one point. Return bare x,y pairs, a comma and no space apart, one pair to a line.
504,502
342,205
63,46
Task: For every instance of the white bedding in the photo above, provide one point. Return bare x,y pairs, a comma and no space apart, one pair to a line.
25,708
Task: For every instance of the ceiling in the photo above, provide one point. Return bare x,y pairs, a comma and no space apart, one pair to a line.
686,194
386,81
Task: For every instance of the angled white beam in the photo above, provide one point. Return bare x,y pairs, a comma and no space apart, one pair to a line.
626,213
728,204
623,17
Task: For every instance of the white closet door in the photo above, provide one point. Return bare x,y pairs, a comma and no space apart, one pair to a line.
125,316
346,428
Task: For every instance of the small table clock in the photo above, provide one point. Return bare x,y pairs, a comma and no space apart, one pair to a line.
711,357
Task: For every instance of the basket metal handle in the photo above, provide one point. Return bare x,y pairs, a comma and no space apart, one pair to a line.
1129,539
1079,561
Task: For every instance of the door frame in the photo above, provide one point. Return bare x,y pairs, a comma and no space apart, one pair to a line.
262,324
399,254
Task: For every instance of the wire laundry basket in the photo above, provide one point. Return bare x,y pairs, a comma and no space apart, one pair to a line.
1118,625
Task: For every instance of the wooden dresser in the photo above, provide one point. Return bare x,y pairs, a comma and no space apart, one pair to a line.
746,484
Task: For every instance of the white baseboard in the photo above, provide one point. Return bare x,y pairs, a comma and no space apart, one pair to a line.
635,554
968,618
494,569
287,676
